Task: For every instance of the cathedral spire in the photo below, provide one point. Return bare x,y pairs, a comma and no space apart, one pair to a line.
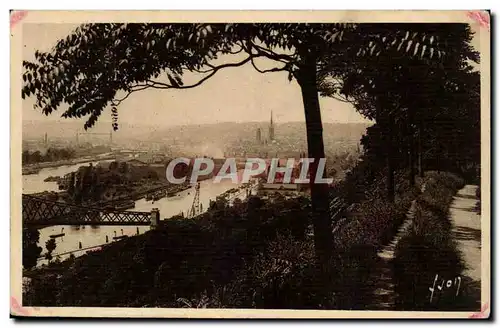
271,128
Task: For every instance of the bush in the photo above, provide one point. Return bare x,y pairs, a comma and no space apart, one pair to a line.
377,220
428,249
282,276
374,224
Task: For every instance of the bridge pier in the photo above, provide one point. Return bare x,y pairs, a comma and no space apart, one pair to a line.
155,218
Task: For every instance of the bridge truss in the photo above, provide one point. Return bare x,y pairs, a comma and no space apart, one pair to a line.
40,212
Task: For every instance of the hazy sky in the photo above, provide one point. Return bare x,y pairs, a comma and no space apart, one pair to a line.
238,94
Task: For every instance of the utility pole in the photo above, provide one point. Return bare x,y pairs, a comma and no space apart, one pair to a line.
195,207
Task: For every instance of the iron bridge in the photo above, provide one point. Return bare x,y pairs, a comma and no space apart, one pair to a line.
39,212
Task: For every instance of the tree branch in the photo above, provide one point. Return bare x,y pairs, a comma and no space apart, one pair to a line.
274,69
162,85
237,51
200,71
116,102
346,100
270,54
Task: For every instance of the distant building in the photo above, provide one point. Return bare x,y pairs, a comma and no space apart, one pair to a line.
259,136
280,186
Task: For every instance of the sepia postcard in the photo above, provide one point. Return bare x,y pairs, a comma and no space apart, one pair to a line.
250,164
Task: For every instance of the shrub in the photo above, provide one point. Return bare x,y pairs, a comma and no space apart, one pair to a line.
282,276
373,223
428,249
376,220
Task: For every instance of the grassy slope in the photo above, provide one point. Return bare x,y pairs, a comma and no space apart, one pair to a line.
284,275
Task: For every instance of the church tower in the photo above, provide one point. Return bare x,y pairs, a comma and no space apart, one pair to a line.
271,128
259,136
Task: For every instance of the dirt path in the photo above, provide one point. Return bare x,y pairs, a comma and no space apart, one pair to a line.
466,231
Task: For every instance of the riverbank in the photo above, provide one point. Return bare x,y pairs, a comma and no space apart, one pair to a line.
35,168
140,193
171,190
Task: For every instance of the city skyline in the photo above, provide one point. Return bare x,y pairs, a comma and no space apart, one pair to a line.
235,95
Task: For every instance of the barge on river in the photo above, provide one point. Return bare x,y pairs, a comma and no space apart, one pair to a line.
126,205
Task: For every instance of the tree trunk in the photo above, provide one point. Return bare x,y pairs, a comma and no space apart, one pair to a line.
390,158
323,236
419,141
390,176
385,120
411,160
411,147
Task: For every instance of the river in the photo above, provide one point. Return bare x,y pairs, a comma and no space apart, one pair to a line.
94,236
